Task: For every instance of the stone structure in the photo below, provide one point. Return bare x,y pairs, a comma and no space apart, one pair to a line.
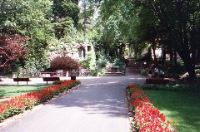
78,51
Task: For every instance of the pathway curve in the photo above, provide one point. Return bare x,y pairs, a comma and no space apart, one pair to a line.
97,106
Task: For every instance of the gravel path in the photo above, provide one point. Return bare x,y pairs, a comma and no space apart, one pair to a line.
97,106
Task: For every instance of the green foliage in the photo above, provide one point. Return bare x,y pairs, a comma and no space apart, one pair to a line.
176,69
23,102
119,63
66,8
65,15
90,62
85,64
70,9
173,87
32,19
12,111
10,91
175,25
171,99
101,62
120,24
38,20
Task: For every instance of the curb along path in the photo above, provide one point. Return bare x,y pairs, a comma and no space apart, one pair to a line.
97,106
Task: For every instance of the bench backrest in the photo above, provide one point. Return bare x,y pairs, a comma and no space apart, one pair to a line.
20,79
51,78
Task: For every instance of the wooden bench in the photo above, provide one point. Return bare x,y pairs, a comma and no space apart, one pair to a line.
157,81
47,79
48,74
21,80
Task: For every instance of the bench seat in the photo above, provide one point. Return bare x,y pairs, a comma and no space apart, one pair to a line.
21,80
47,79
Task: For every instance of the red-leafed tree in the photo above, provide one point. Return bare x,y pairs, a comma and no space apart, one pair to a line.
11,49
64,62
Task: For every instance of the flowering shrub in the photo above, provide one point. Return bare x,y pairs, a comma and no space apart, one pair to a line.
64,62
23,102
147,118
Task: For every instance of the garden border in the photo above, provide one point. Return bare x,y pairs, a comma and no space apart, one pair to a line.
142,114
14,118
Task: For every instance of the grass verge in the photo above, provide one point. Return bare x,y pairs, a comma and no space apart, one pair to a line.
180,103
10,91
18,104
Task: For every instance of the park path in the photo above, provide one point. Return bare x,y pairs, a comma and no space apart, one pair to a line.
97,106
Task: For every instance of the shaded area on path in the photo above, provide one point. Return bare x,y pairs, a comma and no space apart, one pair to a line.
98,105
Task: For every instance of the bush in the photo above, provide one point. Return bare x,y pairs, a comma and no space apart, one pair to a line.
90,62
64,62
101,62
119,63
174,69
85,64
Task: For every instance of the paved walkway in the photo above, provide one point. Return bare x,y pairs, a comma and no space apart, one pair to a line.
97,106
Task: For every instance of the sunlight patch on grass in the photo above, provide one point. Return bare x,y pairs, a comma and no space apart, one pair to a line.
10,91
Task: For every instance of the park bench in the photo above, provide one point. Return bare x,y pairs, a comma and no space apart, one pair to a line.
48,74
157,81
48,79
21,80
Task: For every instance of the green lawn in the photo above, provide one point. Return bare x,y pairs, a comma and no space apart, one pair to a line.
9,91
182,107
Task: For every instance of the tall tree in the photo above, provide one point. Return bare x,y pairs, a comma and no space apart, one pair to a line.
65,14
177,20
32,19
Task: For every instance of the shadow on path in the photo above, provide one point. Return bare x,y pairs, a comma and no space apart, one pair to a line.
100,96
98,105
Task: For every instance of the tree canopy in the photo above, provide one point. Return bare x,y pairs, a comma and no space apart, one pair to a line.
173,25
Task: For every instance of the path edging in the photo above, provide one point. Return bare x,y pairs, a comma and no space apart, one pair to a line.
37,107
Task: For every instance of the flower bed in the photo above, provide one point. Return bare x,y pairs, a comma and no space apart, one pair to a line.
146,118
23,102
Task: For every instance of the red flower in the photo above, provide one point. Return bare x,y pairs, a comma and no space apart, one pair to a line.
147,118
28,100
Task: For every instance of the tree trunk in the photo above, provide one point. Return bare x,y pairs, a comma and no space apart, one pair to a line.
191,70
188,63
175,57
164,56
154,54
171,56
